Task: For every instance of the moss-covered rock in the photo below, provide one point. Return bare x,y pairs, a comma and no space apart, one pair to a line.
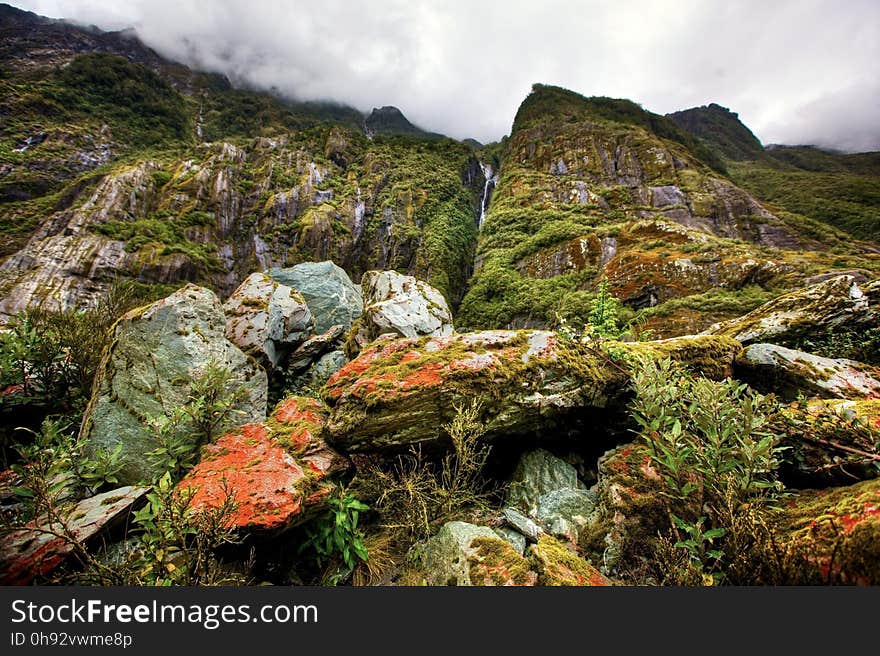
557,565
832,536
277,473
399,392
788,373
147,371
466,554
839,303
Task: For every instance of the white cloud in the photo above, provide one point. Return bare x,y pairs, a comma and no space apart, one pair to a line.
796,71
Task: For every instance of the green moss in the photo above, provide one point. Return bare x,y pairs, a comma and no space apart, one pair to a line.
495,562
558,566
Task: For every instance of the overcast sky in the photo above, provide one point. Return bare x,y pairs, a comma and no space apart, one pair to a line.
796,71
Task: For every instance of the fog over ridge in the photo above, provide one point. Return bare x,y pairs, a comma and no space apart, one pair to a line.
796,72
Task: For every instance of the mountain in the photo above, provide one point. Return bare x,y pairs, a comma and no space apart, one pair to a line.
391,121
119,163
115,162
596,189
842,190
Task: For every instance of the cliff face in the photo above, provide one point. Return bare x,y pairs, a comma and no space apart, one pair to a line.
595,189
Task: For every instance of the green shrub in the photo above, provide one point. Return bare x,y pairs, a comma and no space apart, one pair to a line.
336,535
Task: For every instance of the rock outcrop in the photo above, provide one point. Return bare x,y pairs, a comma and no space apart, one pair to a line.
399,392
787,372
839,304
148,369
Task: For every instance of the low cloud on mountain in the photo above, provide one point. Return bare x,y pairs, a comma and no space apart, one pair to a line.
795,71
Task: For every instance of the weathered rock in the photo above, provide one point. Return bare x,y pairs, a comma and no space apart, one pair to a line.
312,349
537,473
399,392
787,372
522,524
266,319
565,512
516,539
466,554
556,565
146,373
630,507
276,472
330,294
401,305
835,304
37,550
832,536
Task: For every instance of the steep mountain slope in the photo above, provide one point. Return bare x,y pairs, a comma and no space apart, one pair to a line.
126,165
597,189
842,190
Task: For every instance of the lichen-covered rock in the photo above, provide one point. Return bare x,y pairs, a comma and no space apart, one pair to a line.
463,554
400,392
832,536
39,548
147,370
330,294
401,305
630,508
277,472
266,319
565,512
837,303
557,565
787,372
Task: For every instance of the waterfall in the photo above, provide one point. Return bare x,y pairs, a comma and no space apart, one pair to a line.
491,180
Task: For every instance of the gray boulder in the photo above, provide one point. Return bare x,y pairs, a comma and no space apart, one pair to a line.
538,473
266,319
400,305
156,352
787,372
330,294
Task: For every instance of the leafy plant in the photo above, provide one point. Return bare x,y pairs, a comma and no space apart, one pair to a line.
713,445
336,535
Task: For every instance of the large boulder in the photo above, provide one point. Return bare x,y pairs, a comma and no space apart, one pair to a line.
466,554
400,305
832,536
400,392
267,319
836,304
277,472
147,372
788,372
330,294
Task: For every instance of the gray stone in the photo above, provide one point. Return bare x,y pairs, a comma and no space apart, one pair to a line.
666,196
146,374
330,294
522,524
538,473
787,372
328,365
314,348
514,538
565,512
400,305
266,319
